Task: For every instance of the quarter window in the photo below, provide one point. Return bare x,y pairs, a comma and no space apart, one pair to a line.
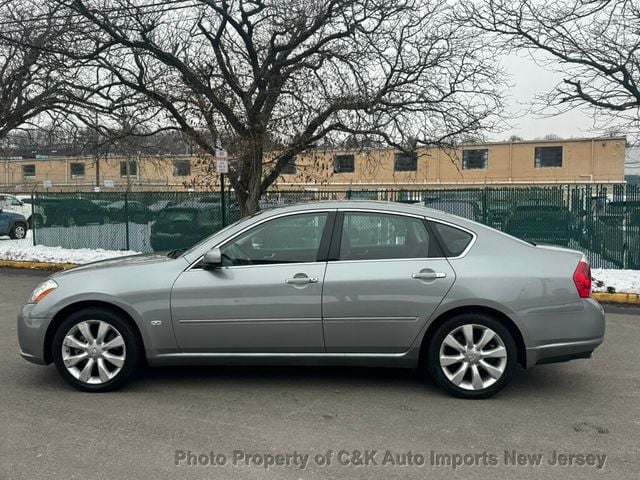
453,240
547,157
372,236
292,239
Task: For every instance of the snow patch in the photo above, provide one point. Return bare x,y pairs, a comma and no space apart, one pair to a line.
615,281
24,250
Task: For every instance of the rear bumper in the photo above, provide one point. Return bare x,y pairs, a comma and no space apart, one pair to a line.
561,352
563,335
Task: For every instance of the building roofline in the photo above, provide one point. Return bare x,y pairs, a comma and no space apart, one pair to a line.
556,141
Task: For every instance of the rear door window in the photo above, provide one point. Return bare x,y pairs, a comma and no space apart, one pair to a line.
378,236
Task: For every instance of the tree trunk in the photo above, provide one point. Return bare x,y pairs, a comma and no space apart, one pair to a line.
250,182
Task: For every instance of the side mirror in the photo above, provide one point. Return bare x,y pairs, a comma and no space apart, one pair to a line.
212,259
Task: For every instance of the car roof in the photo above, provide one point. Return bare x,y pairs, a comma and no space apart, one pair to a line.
391,207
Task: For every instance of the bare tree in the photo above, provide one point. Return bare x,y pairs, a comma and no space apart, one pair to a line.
594,43
268,79
32,79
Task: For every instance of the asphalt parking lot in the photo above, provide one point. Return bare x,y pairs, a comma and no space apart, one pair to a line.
258,420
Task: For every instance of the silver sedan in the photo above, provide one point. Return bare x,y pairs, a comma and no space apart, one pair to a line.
347,283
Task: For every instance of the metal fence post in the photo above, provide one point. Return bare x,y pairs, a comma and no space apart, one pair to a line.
625,228
126,218
223,207
484,206
33,217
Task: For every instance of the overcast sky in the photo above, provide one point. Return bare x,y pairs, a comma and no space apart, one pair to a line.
529,79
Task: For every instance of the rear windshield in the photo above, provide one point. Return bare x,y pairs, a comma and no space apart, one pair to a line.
177,216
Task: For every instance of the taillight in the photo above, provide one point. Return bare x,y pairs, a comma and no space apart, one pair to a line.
582,279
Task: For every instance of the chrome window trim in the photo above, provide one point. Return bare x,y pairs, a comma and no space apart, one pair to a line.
474,236
346,210
264,220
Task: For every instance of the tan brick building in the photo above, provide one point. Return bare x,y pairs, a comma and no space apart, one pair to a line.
592,160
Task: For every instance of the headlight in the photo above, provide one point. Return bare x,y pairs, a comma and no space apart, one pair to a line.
42,290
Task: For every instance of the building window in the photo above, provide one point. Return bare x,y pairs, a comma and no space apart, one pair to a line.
133,168
406,162
181,168
289,168
76,170
475,159
547,157
29,170
344,164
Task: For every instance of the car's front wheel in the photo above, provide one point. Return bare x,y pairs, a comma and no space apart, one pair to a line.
18,231
96,350
472,356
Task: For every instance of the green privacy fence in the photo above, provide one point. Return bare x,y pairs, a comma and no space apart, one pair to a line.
601,220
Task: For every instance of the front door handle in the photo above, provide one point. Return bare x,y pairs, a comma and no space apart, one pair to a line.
429,275
300,280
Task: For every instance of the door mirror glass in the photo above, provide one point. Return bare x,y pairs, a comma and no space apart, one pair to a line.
212,259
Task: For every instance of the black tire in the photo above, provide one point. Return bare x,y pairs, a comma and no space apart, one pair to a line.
18,231
451,325
132,349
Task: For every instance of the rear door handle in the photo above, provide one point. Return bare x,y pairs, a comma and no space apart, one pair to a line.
429,275
300,280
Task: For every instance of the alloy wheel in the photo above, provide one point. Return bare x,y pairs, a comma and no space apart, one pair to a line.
20,232
473,357
93,352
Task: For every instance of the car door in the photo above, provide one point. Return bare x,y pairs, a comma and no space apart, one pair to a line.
267,295
385,278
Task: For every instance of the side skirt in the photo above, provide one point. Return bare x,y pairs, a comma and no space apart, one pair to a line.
408,359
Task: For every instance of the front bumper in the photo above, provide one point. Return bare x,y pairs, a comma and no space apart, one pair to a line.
31,335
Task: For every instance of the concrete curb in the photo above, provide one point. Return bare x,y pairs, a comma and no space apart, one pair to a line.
54,267
618,298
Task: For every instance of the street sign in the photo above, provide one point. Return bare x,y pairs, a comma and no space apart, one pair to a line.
222,161
222,166
47,183
108,183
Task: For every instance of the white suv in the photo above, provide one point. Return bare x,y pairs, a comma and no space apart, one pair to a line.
13,203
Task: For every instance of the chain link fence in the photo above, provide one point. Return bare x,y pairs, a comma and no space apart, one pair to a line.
601,220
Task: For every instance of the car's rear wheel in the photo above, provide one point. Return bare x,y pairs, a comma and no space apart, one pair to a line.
18,231
472,356
96,350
